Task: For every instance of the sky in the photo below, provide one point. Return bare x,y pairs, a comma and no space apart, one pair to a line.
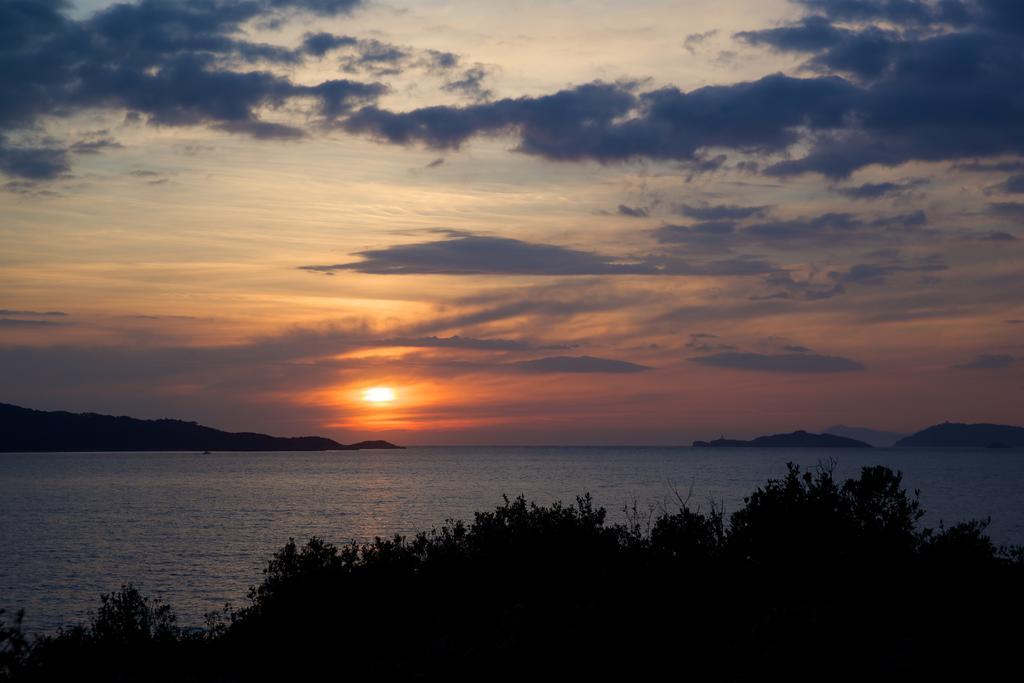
584,222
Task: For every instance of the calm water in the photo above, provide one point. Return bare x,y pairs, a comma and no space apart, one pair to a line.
197,529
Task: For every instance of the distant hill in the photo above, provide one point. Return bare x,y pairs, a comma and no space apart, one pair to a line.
875,437
26,430
798,439
958,435
376,444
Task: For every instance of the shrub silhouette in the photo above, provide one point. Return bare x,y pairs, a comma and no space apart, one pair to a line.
811,579
808,519
129,618
14,646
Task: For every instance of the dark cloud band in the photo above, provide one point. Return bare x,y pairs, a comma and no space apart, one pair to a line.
484,255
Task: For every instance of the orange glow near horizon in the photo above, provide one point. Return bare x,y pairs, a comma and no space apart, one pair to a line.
417,404
379,395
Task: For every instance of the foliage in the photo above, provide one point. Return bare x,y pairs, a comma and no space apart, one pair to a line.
812,578
127,617
14,646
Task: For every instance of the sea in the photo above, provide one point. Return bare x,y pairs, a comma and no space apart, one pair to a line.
196,530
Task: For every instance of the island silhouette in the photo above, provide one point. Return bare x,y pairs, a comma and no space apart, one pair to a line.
958,435
875,437
946,435
28,430
25,430
797,439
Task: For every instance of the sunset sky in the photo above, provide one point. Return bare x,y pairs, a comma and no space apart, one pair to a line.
580,222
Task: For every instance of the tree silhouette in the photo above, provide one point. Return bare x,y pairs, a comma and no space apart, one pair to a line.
810,579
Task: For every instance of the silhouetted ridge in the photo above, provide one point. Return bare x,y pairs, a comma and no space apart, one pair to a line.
375,444
26,430
797,439
875,437
958,435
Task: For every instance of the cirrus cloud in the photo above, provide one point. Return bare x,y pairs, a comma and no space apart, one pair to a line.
800,362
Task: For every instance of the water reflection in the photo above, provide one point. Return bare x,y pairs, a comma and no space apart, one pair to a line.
197,529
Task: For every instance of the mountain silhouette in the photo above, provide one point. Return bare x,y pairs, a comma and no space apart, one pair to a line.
875,437
27,430
797,439
375,444
959,435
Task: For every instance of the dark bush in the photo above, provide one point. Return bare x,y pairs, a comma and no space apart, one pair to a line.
810,580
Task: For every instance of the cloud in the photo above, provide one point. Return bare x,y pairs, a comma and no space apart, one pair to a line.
1007,209
703,342
632,211
49,314
702,164
720,212
795,348
376,57
33,163
992,167
468,254
173,63
780,362
592,121
440,60
457,342
319,7
694,40
833,282
541,305
990,236
836,223
380,58
578,364
884,96
826,230
878,273
304,351
262,130
988,361
891,81
476,255
784,286
914,13
540,119
21,322
865,52
835,228
258,380
943,93
707,235
470,84
738,266
319,44
721,311
1012,185
871,191
94,145
821,230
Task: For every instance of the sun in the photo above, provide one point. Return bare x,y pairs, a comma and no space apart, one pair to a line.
379,395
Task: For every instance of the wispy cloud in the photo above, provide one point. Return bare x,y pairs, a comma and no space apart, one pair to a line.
988,361
780,362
